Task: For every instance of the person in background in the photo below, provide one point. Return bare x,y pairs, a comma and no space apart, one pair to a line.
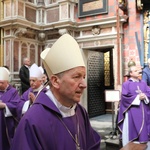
56,120
146,73
36,84
134,111
9,100
44,77
24,75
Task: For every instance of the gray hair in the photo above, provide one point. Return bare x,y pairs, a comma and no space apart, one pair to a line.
24,59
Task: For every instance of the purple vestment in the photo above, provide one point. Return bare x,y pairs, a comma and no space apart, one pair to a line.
41,129
138,115
8,124
25,97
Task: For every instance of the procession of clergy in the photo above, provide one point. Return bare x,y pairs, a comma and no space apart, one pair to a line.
48,116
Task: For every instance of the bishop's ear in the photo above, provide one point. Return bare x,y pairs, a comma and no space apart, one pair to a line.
54,81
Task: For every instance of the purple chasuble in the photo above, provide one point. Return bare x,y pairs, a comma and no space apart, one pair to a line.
8,124
138,115
25,97
41,129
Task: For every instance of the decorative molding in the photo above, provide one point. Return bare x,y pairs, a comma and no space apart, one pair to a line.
90,8
96,30
41,36
19,32
63,31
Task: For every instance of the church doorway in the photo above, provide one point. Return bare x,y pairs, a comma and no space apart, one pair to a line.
100,78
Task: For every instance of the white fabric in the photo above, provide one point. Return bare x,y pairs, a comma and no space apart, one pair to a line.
38,89
35,71
136,101
125,131
7,112
48,87
4,74
65,111
25,106
65,54
41,68
146,100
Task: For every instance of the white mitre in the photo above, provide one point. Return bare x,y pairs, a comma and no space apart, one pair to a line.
65,54
42,70
4,74
35,72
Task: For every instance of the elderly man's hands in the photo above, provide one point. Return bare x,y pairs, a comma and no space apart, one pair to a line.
2,105
31,97
142,96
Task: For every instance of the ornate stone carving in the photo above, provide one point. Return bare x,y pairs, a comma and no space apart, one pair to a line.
139,5
42,36
19,32
97,43
96,30
63,31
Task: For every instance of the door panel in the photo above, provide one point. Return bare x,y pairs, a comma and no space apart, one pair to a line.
96,100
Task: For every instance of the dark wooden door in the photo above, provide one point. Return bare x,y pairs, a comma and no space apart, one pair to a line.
96,87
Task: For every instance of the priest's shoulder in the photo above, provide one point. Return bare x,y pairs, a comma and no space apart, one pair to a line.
81,108
127,82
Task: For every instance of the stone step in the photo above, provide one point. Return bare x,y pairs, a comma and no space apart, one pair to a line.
112,144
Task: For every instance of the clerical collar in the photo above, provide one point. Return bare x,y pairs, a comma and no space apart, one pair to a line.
134,80
65,111
27,66
36,90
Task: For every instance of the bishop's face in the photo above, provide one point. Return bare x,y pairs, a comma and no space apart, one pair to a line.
3,85
70,86
35,83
